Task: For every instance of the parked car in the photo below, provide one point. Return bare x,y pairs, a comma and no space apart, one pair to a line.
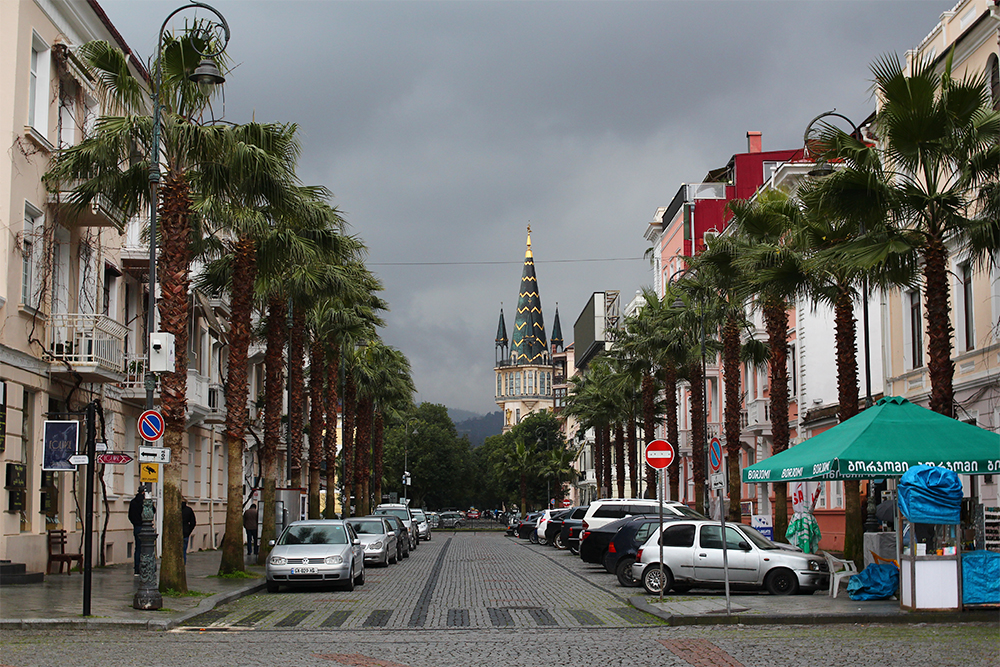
433,519
403,512
594,542
540,525
423,526
472,514
451,520
607,510
378,538
402,536
572,526
316,552
625,545
526,526
513,520
754,561
553,530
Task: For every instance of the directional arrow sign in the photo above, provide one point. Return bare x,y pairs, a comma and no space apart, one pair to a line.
79,459
114,459
154,454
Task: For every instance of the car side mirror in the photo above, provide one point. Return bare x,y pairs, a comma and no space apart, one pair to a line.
745,546
271,543
356,541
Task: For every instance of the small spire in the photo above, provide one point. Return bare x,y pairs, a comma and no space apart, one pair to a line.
527,253
501,339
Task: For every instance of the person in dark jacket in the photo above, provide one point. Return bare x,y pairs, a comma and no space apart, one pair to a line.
250,525
188,522
135,517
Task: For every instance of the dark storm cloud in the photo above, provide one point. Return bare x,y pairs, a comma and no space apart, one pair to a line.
443,128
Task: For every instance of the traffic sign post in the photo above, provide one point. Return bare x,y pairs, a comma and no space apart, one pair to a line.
715,454
154,454
659,454
151,425
149,473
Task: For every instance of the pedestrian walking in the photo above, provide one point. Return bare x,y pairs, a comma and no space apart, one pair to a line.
250,525
135,516
188,522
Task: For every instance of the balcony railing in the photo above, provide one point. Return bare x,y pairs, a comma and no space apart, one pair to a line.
87,341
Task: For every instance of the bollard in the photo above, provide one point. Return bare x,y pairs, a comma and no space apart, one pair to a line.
148,594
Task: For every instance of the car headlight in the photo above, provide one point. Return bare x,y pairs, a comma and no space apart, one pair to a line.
375,546
814,565
278,560
334,560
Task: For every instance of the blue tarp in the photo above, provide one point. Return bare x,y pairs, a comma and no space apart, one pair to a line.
878,581
981,577
929,494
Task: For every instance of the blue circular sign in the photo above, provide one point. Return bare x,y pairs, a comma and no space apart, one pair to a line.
151,426
715,454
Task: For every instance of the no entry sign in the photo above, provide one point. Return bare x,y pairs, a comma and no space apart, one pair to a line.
659,454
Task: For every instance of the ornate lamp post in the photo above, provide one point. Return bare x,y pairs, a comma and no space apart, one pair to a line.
148,595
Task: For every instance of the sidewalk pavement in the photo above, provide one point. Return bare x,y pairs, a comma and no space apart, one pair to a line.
58,600
709,608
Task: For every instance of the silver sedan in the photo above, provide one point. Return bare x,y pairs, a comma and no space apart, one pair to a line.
377,537
693,556
316,552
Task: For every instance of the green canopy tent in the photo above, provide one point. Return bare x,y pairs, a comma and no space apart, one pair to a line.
884,441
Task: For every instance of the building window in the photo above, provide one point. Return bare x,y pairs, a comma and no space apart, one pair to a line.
38,85
517,383
916,331
965,271
499,380
30,253
993,64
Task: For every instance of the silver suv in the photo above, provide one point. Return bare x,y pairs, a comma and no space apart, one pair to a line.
404,514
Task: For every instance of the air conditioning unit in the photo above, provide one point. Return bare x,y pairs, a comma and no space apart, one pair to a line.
710,235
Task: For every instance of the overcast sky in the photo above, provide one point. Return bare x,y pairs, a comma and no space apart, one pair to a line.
445,128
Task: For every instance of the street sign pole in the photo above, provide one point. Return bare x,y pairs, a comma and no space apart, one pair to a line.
715,459
659,454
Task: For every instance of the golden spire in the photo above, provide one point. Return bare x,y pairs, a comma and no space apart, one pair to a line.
527,253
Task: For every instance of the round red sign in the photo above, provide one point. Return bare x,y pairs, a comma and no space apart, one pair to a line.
659,454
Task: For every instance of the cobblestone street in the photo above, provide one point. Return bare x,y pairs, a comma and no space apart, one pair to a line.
483,599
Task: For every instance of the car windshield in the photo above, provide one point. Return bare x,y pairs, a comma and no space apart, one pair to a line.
686,511
402,514
368,527
419,515
759,540
314,535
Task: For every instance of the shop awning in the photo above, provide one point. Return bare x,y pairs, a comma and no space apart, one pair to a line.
884,441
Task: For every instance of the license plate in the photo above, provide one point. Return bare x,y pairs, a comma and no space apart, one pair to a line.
304,570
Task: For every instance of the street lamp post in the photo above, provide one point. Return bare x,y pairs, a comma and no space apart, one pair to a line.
147,595
406,456
823,168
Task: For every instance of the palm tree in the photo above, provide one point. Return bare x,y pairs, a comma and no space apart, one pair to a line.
105,164
521,458
939,154
769,257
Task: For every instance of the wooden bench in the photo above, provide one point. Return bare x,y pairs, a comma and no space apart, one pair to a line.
58,554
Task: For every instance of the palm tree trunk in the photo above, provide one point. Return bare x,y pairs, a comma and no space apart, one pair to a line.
940,365
649,428
620,458
363,456
241,298
297,398
847,398
599,460
670,405
633,460
776,322
350,396
606,456
174,263
273,387
378,431
330,441
317,420
698,434
731,370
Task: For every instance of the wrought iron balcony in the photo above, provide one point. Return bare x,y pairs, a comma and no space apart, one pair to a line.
87,345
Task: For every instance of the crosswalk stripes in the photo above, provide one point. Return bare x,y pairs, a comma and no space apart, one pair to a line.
584,617
256,617
335,620
500,618
542,617
293,619
378,618
458,618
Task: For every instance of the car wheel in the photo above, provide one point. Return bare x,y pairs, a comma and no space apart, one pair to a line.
533,538
653,584
272,587
624,572
395,557
558,543
575,550
349,582
360,579
406,554
782,582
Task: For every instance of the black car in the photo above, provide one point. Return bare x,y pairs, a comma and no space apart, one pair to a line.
527,525
630,537
572,527
554,529
402,537
594,541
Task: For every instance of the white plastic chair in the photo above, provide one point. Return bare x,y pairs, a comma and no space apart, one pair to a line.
839,570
